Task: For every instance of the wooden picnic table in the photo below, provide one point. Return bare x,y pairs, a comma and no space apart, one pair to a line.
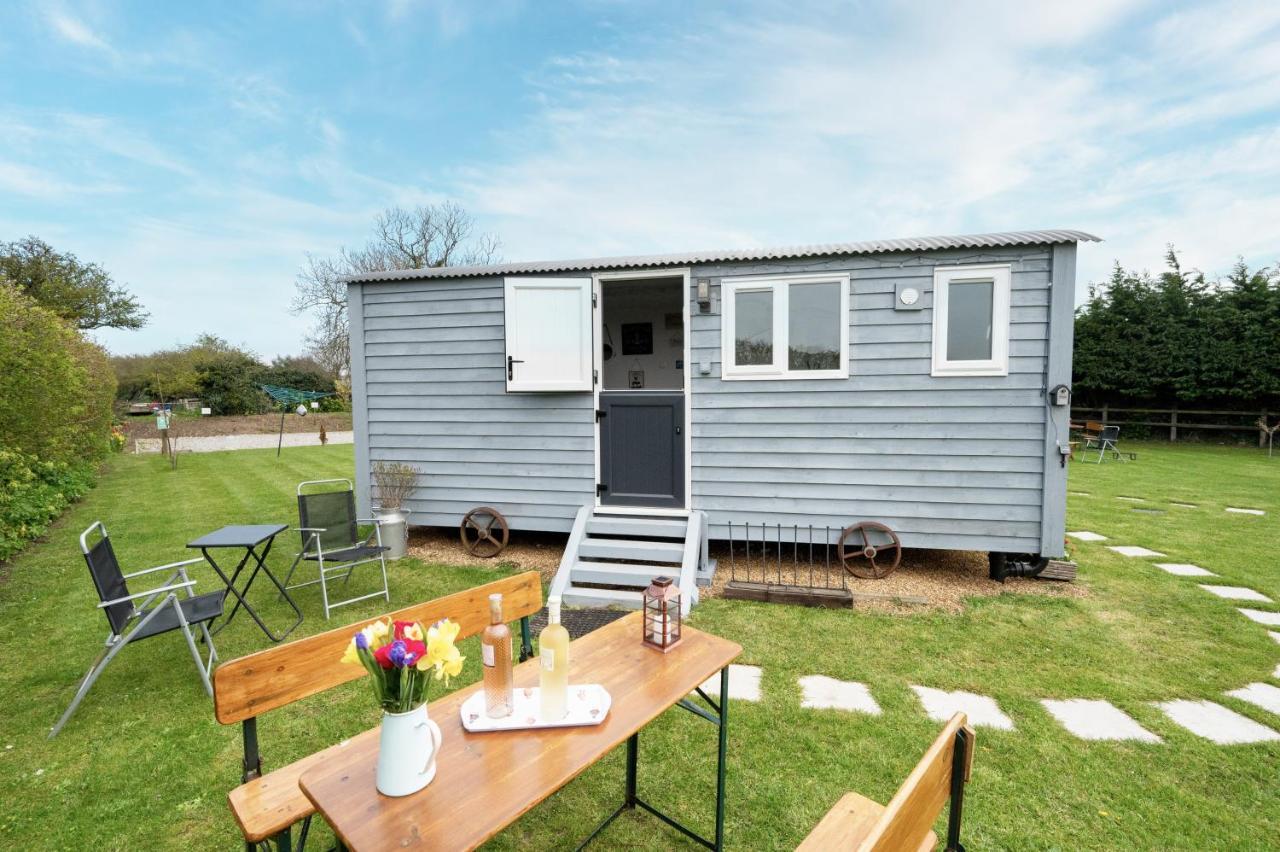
485,781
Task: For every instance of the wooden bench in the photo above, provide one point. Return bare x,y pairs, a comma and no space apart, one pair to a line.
906,823
267,806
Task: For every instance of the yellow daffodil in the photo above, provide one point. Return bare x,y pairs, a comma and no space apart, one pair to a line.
350,655
413,631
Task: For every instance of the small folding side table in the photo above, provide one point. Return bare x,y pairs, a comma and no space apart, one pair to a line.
255,540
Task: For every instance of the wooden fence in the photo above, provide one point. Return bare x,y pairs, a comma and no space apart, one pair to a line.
1175,418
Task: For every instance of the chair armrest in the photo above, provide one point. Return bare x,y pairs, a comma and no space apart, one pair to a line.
312,529
378,521
171,588
181,564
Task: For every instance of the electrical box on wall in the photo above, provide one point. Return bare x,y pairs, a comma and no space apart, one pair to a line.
908,297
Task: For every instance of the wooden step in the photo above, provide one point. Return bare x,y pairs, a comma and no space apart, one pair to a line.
581,596
607,525
632,551
614,573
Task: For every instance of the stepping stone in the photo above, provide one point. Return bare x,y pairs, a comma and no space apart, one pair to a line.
1274,635
1262,695
1085,535
1184,569
941,705
1097,720
1183,505
827,693
1080,493
1236,511
1236,593
744,683
1133,550
1271,619
1132,499
1275,675
1217,723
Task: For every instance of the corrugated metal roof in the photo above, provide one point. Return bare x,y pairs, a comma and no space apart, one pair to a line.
651,261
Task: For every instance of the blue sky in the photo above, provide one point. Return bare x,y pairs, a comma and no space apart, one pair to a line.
200,150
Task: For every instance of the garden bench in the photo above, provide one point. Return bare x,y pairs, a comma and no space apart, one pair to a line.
267,805
858,823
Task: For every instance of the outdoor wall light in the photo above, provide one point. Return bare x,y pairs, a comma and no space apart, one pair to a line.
704,295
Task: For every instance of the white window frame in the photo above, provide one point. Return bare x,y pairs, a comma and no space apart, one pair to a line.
1002,276
779,285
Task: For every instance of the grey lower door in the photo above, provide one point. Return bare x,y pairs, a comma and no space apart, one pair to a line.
642,448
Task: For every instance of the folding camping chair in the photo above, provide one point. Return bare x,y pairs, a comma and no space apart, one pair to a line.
331,538
122,610
1106,439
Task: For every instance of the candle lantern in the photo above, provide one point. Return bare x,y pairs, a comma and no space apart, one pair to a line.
662,614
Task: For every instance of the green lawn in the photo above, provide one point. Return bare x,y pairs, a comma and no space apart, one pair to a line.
144,762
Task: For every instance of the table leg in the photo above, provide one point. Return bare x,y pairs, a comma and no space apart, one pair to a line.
230,583
721,755
283,591
240,595
632,800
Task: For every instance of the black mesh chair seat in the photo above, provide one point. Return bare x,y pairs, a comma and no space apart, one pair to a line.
197,610
348,554
331,539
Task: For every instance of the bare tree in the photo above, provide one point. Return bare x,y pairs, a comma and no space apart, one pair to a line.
429,236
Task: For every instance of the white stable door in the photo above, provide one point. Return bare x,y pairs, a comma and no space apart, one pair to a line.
548,334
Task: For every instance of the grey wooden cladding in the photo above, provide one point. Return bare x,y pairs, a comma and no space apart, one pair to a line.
952,462
436,398
948,462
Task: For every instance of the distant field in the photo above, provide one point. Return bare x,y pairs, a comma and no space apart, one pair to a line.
145,427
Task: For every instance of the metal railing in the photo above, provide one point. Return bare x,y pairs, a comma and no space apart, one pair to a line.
783,555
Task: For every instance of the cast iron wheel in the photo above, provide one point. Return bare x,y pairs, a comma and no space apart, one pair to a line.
862,558
484,532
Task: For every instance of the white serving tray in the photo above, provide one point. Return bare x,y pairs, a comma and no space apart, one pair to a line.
588,705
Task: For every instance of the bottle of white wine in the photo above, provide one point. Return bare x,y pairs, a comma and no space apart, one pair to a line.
553,680
495,648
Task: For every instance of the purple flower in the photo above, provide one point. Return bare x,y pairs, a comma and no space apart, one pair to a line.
361,642
397,653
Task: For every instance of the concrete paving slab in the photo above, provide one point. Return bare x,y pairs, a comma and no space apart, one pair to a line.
941,705
1235,511
1262,695
1184,569
826,693
1216,723
1085,535
1132,550
744,683
1236,593
1097,720
1271,619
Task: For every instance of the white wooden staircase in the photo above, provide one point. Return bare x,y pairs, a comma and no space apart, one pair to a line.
610,558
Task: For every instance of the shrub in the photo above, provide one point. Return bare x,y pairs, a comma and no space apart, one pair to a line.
33,493
56,386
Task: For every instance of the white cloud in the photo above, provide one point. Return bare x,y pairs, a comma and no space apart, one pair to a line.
73,30
787,124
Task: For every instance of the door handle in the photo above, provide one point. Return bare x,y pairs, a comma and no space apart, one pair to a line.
511,367
679,429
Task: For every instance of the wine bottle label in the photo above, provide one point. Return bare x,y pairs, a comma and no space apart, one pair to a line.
549,660
487,653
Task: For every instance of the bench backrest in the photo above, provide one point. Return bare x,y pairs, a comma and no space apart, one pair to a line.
1094,427
263,681
910,815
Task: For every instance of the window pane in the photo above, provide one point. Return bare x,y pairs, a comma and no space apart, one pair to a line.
753,327
969,309
813,333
